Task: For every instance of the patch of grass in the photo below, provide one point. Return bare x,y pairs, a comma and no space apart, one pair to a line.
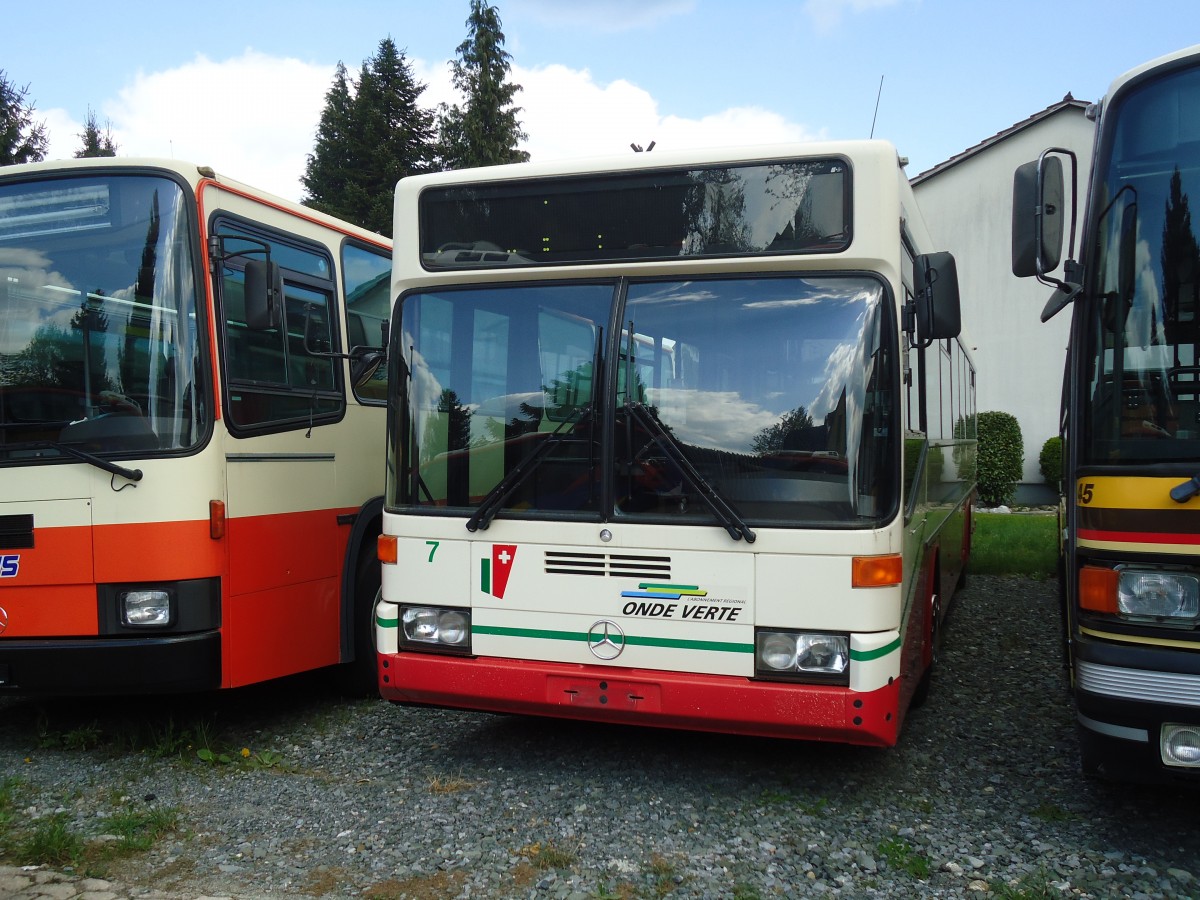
1034,886
1014,545
8,791
547,856
1052,812
451,784
901,857
51,843
139,830
662,870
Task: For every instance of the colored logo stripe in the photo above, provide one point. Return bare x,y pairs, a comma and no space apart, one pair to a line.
665,591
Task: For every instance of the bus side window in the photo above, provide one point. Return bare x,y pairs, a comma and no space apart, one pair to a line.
366,276
277,378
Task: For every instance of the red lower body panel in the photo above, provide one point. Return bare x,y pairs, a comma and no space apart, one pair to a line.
644,697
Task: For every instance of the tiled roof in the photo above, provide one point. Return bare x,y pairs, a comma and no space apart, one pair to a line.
1067,102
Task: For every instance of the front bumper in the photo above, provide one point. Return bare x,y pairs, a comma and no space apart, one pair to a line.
653,698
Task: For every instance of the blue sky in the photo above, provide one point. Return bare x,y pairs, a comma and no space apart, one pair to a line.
240,86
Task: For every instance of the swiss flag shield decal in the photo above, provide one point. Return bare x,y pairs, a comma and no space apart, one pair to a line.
502,563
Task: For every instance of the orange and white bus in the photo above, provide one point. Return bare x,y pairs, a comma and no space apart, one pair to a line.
192,415
682,440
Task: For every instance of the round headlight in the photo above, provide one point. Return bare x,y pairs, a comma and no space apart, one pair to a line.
452,627
777,651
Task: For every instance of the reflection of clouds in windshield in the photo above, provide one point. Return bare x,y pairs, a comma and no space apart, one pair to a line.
837,296
721,420
424,396
1145,324
25,273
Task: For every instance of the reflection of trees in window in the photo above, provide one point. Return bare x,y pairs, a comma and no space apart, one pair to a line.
134,366
786,434
458,420
1180,266
717,213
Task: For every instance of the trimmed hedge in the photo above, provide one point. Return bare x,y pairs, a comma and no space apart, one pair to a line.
1001,458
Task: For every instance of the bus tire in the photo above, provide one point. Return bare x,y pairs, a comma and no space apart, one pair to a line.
360,676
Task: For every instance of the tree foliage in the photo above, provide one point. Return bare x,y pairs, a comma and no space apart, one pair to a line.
371,134
21,139
485,130
96,142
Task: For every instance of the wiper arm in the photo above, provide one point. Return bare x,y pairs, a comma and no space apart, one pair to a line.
494,499
725,514
91,459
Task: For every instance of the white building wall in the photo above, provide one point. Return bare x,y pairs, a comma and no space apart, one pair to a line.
968,209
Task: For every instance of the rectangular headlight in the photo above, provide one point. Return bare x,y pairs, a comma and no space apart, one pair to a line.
145,608
1158,595
818,655
436,627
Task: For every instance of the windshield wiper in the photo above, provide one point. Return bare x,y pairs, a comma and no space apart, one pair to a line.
494,499
84,456
725,514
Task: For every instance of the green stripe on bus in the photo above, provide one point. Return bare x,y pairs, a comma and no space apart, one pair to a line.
387,623
868,655
632,640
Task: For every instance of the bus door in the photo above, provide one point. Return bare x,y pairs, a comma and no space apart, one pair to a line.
280,393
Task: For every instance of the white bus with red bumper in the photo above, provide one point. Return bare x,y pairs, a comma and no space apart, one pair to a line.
676,440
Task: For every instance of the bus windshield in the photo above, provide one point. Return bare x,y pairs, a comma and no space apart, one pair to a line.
98,337
1143,385
634,400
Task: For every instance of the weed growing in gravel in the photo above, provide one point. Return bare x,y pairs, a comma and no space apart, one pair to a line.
663,871
1052,812
547,856
1034,886
449,785
139,830
51,843
901,857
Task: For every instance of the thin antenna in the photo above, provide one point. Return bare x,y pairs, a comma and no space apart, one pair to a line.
876,113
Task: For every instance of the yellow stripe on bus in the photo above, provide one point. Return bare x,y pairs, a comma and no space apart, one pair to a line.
1122,492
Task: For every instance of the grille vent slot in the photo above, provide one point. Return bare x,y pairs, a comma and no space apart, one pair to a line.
615,565
16,532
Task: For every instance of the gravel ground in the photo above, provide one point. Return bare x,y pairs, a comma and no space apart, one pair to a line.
981,798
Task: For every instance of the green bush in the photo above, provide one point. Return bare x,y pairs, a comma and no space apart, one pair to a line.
1050,461
1001,457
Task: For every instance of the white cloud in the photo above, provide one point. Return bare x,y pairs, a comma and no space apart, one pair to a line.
567,114
252,117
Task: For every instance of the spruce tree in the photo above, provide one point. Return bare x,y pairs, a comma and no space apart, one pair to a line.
484,131
21,139
325,173
396,135
96,142
372,133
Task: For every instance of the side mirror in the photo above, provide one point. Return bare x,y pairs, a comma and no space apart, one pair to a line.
1037,217
263,295
937,301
